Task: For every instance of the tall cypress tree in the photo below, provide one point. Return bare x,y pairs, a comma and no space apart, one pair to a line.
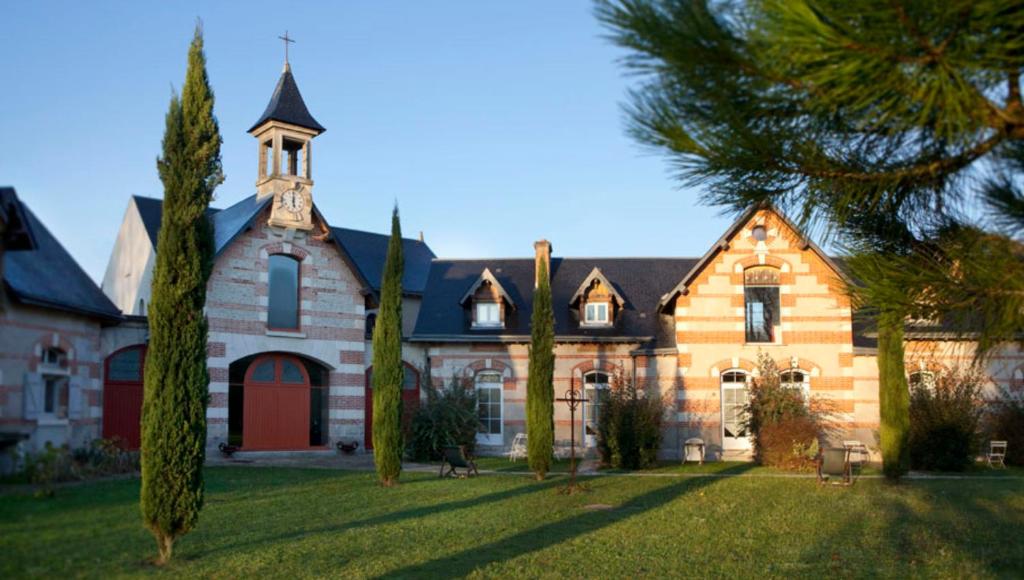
388,371
893,396
176,379
540,389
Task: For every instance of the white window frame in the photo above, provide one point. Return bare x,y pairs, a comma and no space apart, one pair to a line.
499,386
804,386
53,369
494,307
597,387
597,308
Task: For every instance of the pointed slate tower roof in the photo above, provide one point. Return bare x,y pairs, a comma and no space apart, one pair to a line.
287,106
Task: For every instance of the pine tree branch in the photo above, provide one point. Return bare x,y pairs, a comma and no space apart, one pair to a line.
939,166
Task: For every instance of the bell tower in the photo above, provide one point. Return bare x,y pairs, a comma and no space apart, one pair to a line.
284,133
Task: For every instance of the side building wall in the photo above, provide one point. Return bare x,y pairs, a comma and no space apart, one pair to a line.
25,332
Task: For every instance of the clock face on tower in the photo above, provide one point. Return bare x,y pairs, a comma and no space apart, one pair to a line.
292,201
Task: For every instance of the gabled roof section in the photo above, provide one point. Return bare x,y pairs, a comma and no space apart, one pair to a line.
487,276
596,274
227,222
368,251
286,105
48,276
151,211
231,221
723,244
17,232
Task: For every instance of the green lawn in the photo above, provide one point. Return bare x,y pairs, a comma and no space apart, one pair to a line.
299,523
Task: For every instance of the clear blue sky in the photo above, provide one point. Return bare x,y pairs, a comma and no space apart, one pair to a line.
492,123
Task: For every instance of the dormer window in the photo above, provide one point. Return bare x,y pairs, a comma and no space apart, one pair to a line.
597,313
488,302
597,301
488,314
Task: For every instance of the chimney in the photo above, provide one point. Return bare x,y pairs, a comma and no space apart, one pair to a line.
542,248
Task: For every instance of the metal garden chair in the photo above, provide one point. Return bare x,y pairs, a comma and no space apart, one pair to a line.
456,458
997,454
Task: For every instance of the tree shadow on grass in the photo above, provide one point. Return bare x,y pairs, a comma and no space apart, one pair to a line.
393,517
539,538
955,531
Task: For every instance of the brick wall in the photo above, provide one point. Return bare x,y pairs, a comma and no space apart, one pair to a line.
25,331
815,328
332,321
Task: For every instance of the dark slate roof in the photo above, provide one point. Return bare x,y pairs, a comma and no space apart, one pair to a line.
233,220
286,105
640,281
151,210
48,276
17,233
368,251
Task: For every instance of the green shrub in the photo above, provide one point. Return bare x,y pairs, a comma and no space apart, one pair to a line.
944,421
449,417
629,425
57,464
1006,423
785,427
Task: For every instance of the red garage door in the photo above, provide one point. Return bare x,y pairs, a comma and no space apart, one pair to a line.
276,407
122,395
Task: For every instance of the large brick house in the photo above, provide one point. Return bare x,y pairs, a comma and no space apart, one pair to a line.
292,300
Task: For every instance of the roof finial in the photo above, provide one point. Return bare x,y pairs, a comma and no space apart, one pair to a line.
286,40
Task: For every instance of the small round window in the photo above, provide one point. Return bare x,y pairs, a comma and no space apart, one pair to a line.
759,233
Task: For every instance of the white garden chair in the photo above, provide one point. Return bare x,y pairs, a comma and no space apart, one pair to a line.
518,449
997,454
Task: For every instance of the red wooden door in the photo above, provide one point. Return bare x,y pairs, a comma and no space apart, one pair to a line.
410,402
276,407
122,395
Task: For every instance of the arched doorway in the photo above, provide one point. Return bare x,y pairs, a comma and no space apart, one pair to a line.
122,395
276,407
410,401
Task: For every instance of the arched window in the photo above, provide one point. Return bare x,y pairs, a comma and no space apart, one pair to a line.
488,397
735,396
761,298
283,293
796,379
595,392
921,379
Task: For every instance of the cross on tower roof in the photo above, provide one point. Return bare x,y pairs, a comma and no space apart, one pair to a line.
286,40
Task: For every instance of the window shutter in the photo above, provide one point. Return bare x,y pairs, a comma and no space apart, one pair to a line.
76,399
32,396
